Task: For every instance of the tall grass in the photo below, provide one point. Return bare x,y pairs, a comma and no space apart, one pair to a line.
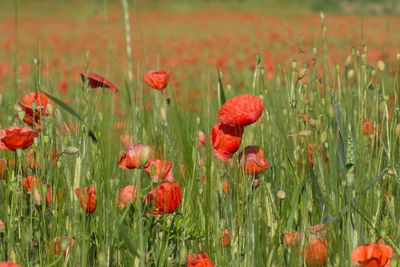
350,182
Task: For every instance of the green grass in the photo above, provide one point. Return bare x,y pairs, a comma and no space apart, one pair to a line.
345,188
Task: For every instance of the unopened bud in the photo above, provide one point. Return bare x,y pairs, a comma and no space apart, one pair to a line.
281,194
397,131
301,74
381,65
347,61
163,113
71,150
256,183
311,121
36,196
350,74
390,172
50,108
145,155
21,115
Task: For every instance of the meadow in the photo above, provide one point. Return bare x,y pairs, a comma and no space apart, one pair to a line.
165,133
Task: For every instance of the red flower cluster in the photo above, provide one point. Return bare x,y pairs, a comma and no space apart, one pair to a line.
198,260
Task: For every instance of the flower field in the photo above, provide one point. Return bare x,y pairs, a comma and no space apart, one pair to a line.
162,133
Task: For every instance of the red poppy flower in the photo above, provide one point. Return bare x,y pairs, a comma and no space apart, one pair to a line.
368,127
241,110
198,260
372,255
158,79
49,195
126,195
225,140
291,239
253,160
15,137
4,164
316,254
87,198
9,264
1,224
163,170
63,244
30,183
41,101
166,198
135,156
99,81
225,240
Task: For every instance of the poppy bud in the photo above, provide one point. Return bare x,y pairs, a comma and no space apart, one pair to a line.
301,74
256,183
348,61
397,130
71,150
145,155
36,196
281,194
350,74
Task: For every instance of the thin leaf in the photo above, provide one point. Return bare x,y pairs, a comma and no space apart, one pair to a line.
340,146
317,189
221,92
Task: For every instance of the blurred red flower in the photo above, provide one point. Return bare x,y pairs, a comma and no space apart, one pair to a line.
135,156
166,198
368,127
98,81
41,101
4,164
225,240
15,137
87,198
62,244
126,194
241,110
158,79
30,183
316,254
162,170
372,255
225,140
253,160
202,138
1,224
9,264
198,260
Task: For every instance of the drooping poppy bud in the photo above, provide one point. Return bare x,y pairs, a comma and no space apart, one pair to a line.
166,198
98,81
158,79
372,254
126,194
241,110
15,137
253,160
135,156
225,140
160,170
198,260
87,198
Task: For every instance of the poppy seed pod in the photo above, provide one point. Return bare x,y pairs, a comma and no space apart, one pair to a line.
372,254
225,140
253,160
166,198
98,81
158,79
87,197
241,110
15,137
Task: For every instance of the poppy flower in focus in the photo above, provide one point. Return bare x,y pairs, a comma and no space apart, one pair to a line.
9,264
372,255
62,245
15,137
225,140
126,195
166,198
253,160
135,156
241,110
198,260
87,198
316,254
158,79
98,81
160,170
42,103
30,183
